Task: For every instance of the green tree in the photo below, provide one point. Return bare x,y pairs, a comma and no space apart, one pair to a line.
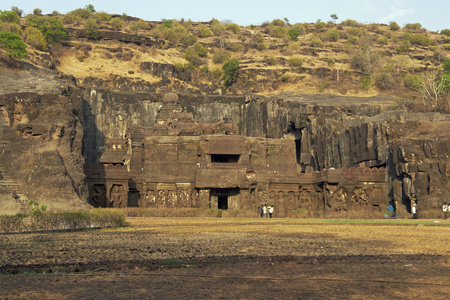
334,17
90,8
13,45
9,16
293,33
230,72
18,11
52,28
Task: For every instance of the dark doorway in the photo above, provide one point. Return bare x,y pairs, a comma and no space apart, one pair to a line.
133,198
222,202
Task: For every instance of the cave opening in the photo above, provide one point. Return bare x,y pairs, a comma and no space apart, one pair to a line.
224,158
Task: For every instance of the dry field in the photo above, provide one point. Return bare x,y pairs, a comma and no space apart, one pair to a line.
186,258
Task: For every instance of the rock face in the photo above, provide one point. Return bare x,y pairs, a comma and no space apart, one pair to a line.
323,155
68,146
40,150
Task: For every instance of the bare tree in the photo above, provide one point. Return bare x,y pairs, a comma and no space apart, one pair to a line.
434,87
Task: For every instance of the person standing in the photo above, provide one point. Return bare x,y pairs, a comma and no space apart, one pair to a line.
270,211
414,211
265,210
445,209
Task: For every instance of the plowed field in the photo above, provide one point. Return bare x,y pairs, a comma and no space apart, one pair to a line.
168,258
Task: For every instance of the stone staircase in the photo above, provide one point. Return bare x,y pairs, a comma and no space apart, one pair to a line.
7,181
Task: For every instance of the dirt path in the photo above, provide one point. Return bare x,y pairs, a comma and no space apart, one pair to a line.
229,258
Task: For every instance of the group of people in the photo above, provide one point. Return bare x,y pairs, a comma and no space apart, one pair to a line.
393,214
265,211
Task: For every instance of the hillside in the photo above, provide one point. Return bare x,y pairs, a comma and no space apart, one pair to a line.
327,119
350,59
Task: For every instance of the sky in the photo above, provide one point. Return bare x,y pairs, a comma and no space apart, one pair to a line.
432,14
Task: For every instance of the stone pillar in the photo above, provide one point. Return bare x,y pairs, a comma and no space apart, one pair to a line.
203,197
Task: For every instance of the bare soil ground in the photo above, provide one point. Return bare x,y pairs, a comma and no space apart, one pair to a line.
166,258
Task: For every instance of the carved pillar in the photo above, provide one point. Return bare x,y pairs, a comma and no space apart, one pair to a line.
203,196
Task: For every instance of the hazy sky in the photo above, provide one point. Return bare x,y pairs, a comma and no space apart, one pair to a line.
432,14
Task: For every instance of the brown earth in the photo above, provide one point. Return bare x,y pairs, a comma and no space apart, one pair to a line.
231,258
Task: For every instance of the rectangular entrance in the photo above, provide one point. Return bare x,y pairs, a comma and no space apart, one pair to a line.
224,198
222,202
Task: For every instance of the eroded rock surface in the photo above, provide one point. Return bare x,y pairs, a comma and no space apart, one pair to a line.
68,146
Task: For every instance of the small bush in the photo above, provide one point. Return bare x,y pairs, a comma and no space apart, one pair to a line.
445,32
200,50
405,45
295,61
37,11
382,40
102,16
216,73
351,23
116,22
384,81
277,31
293,33
230,72
203,31
271,60
284,79
90,29
366,81
413,82
413,26
316,42
420,39
292,48
446,65
394,26
104,218
35,38
278,22
188,39
355,31
195,53
319,25
260,46
333,35
79,13
218,28
12,27
301,28
233,28
221,56
139,25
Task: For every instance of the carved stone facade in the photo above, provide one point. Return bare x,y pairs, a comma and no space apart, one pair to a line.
182,163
